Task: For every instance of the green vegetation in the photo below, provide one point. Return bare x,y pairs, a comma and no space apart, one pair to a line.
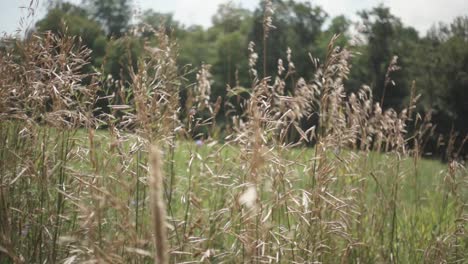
98,162
80,195
389,55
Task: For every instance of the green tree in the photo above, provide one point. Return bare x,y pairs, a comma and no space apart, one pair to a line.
231,26
122,57
339,25
385,38
444,74
66,18
114,15
196,47
297,26
154,20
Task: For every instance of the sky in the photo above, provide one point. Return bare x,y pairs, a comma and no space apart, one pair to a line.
420,14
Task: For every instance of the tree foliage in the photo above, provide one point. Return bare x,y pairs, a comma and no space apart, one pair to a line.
437,61
114,15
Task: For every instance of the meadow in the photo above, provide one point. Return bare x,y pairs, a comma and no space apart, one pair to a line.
83,196
153,180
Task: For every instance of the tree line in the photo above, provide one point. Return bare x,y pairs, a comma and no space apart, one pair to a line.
389,56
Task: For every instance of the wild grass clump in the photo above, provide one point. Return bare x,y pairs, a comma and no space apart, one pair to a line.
78,184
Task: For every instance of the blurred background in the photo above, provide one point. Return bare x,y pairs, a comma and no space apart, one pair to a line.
429,38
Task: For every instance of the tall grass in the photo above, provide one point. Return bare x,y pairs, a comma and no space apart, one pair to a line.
77,186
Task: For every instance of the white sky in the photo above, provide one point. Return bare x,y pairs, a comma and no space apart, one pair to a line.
421,14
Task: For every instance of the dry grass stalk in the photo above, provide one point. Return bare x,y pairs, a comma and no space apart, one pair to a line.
158,207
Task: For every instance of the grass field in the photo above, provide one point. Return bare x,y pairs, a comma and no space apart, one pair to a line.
127,184
80,195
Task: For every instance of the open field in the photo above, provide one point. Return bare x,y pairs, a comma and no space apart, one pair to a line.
77,195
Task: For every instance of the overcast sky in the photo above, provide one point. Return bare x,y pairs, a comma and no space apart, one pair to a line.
421,14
